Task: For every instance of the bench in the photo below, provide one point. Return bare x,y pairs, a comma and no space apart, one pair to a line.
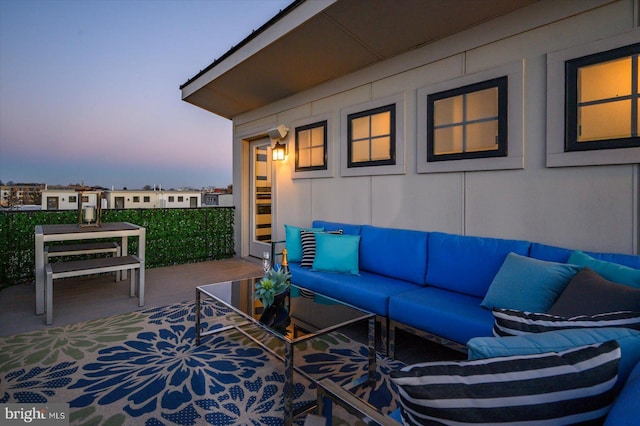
78,268
82,248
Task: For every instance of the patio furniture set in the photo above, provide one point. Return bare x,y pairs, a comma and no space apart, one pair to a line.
490,298
120,262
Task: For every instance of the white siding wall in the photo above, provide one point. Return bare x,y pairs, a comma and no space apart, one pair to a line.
590,208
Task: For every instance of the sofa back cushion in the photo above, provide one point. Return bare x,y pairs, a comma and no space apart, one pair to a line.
560,254
467,264
396,253
347,228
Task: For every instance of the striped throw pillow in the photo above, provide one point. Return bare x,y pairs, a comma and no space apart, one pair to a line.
566,387
510,322
309,246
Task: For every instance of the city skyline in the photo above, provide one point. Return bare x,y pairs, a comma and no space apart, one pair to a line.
90,90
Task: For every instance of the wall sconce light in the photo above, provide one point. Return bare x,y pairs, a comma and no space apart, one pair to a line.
279,150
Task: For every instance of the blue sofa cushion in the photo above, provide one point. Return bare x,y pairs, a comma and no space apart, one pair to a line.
395,253
509,322
559,254
467,264
512,390
609,270
528,284
588,294
351,288
347,228
309,246
558,341
626,410
294,241
454,316
337,253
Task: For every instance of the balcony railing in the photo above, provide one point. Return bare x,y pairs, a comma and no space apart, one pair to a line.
174,236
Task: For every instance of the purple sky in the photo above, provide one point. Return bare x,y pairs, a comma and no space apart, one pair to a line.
89,90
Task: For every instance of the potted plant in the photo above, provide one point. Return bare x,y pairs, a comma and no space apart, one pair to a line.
274,283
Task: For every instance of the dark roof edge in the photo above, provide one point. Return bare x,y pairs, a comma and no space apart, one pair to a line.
247,39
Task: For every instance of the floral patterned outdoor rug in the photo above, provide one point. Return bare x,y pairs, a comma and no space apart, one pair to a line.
144,368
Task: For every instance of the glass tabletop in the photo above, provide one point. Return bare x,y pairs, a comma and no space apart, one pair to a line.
297,316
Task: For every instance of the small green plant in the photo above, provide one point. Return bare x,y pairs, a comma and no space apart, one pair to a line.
274,282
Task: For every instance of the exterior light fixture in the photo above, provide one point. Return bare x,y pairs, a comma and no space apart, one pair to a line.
277,134
279,151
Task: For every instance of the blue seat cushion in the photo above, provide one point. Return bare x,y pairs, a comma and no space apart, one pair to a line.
454,316
625,410
347,228
467,264
396,253
558,341
366,291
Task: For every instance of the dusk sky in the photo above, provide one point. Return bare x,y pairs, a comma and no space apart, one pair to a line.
89,90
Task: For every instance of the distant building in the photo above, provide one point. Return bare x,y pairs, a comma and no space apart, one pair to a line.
59,199
20,194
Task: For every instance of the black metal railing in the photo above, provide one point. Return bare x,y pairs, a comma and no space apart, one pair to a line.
173,236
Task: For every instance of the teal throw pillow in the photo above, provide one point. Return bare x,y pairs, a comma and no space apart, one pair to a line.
612,271
528,284
337,253
294,241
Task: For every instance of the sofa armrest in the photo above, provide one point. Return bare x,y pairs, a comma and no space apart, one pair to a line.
330,392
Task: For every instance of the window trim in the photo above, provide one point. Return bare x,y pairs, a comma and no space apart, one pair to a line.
391,108
502,84
400,101
514,159
311,126
571,99
556,155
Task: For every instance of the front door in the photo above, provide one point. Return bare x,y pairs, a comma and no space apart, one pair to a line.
193,202
119,203
260,202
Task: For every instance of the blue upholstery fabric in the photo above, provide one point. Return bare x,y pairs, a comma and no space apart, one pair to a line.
560,340
294,242
454,316
560,254
625,410
528,284
396,253
610,270
468,264
347,228
367,291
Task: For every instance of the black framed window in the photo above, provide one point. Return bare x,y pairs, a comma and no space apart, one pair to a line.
468,122
372,137
601,100
311,147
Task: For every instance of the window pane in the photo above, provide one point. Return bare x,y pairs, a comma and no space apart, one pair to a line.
482,136
605,80
448,140
304,140
303,158
448,111
380,148
317,156
381,124
360,151
611,120
360,128
317,136
482,104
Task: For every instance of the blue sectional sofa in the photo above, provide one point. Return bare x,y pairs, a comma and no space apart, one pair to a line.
429,283
438,285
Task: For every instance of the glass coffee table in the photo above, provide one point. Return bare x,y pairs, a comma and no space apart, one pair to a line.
304,315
